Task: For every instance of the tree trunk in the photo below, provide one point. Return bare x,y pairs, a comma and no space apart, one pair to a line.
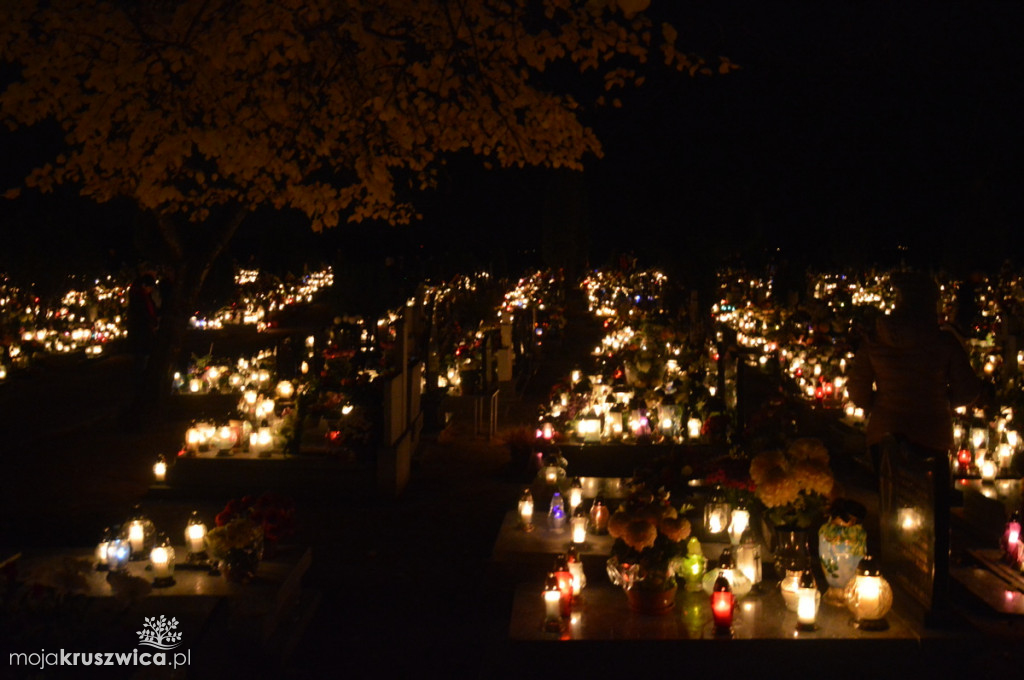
188,263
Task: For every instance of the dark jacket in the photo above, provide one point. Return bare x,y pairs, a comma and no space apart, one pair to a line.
909,376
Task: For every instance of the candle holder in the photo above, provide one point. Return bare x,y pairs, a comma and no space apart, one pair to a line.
161,562
109,534
748,558
119,551
195,539
739,584
717,514
694,565
869,597
722,603
579,578
575,494
140,533
1010,540
526,506
739,521
552,609
556,513
564,578
579,526
160,470
808,602
599,516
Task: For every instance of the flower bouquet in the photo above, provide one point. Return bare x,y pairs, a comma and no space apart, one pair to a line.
238,545
273,514
649,538
245,527
793,487
793,484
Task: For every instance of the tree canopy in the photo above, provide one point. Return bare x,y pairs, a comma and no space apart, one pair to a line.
341,109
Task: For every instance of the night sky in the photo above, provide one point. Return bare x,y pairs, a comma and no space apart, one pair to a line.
851,130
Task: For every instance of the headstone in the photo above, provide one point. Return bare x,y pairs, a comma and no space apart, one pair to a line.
504,364
914,522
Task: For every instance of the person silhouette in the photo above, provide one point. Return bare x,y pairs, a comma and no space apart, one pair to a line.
909,375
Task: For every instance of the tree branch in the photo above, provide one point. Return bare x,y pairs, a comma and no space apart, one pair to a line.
169,233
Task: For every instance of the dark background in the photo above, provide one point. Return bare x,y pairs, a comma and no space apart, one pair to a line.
852,134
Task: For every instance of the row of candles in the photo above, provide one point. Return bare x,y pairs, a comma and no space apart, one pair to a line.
983,449
606,407
138,540
84,319
89,316
737,573
256,304
531,293
868,596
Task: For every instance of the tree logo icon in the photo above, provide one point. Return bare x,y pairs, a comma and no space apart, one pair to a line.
159,632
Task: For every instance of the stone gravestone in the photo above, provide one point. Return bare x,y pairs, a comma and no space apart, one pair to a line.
914,522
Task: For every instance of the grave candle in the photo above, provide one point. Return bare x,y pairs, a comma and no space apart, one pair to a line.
808,599
552,610
722,604
526,510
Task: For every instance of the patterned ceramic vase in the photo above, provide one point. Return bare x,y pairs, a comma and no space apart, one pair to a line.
841,545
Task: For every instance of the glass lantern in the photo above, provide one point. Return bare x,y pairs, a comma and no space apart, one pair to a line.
262,440
575,494
748,556
579,579
285,390
556,513
193,439
869,597
140,533
552,473
722,604
564,578
224,439
195,538
717,513
101,548
526,510
599,515
613,422
161,561
588,428
160,470
808,600
579,526
119,552
739,520
694,565
693,427
739,584
552,605
1010,541
788,586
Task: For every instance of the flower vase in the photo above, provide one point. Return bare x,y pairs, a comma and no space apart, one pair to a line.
791,549
241,564
652,601
840,549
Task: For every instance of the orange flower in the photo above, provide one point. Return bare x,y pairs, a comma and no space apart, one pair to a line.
811,475
617,523
766,463
777,488
808,448
675,528
640,534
